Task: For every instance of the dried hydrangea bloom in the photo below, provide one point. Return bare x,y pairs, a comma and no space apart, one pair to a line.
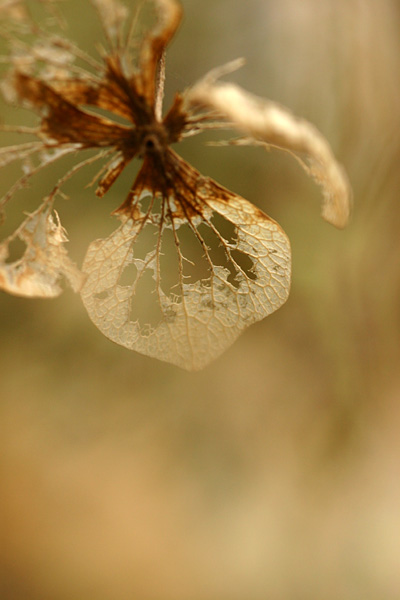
191,264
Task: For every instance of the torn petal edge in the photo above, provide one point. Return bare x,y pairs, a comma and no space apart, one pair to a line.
267,122
45,260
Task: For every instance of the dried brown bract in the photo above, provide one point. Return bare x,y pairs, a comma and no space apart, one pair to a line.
192,264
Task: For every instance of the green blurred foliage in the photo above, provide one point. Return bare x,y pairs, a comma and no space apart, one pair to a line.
274,473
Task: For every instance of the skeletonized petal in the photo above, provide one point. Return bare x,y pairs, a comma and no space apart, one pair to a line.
197,304
44,262
267,122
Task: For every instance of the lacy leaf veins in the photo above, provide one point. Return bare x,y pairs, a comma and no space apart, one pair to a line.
191,264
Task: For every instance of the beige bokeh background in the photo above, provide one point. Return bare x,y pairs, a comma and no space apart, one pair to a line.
274,473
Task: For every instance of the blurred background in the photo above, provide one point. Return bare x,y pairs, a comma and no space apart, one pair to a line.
275,472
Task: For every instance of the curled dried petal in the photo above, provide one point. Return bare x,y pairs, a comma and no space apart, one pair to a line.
267,122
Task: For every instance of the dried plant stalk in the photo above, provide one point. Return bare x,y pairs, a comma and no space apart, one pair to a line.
192,264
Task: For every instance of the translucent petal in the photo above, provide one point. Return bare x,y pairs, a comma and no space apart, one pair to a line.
192,287
44,262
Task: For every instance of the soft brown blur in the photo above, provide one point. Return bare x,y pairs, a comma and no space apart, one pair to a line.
275,473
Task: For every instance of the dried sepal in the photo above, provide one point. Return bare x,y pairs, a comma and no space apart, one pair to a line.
265,122
45,260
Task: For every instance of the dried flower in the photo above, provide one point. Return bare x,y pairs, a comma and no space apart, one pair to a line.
215,263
